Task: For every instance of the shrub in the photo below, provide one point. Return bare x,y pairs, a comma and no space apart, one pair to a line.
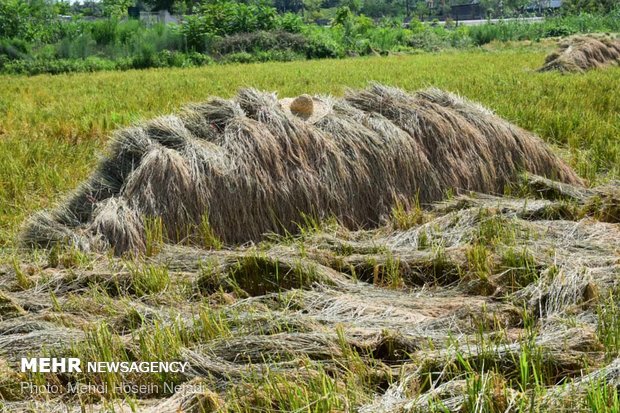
105,32
14,49
429,40
160,37
250,31
383,38
251,42
14,16
290,22
483,34
279,56
241,57
222,17
459,37
363,47
145,58
199,59
57,66
195,34
592,6
84,46
126,31
558,31
167,58
322,45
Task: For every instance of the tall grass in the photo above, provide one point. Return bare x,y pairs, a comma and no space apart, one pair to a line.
552,27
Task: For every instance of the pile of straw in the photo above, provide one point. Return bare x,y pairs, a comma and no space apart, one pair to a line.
293,309
247,167
581,53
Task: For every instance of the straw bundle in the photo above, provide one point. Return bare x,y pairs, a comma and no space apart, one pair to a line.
247,166
582,53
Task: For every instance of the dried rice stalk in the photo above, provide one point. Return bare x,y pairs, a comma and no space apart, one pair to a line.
582,53
250,168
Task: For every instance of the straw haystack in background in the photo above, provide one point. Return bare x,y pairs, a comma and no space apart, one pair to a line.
582,53
254,164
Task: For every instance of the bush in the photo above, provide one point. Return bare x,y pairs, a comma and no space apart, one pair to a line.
263,56
79,48
13,18
241,32
156,39
146,57
592,6
241,57
196,34
253,42
483,34
429,40
558,31
199,59
385,39
127,30
167,58
223,17
459,37
163,58
105,32
57,66
322,45
290,22
14,49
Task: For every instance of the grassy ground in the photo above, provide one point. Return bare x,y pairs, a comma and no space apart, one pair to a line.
51,127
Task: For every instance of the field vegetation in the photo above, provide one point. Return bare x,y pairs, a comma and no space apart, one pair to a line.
480,303
53,126
581,53
34,41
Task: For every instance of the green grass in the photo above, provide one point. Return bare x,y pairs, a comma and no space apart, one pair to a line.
51,127
608,328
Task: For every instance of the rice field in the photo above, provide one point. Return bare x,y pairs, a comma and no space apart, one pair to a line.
52,127
480,303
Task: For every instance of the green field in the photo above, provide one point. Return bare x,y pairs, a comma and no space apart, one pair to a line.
480,304
51,127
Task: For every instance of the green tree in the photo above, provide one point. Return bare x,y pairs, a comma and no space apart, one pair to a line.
13,18
87,8
422,10
516,5
62,7
344,17
491,8
180,8
288,5
381,8
27,20
354,5
408,4
312,9
589,6
116,8
222,17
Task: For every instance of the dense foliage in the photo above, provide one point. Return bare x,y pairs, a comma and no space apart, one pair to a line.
34,39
